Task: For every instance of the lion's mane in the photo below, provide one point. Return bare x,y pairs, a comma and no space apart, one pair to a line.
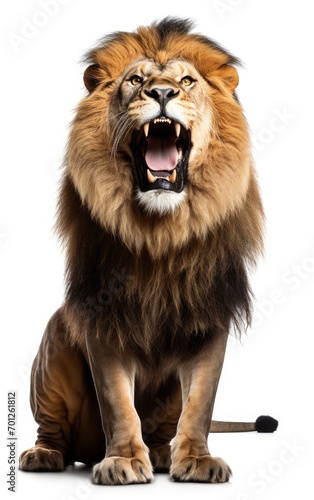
158,285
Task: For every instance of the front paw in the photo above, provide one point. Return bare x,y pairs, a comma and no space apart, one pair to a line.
203,469
120,470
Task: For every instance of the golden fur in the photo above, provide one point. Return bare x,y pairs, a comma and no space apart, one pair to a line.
154,279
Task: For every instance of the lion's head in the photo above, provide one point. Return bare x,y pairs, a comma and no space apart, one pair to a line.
159,148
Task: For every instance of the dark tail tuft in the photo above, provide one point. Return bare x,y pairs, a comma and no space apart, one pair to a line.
264,423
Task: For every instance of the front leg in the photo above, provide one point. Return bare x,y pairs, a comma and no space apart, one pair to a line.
191,460
127,459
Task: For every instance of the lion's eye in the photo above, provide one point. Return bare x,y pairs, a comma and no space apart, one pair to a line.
136,80
187,81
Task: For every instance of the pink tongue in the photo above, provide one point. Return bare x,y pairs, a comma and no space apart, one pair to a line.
161,153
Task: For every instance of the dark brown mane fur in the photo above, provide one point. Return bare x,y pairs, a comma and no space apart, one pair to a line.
156,306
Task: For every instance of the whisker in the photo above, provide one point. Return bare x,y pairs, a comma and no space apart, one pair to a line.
122,119
122,127
115,116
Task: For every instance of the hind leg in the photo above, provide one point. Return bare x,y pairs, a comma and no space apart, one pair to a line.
159,419
62,400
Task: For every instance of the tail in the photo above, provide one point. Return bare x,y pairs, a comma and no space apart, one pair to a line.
262,424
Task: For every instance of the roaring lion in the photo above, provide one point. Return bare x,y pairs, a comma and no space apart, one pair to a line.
161,217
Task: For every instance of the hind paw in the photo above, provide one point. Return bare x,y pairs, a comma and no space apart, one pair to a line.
39,459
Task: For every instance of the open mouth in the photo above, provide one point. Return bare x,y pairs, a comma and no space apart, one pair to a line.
161,150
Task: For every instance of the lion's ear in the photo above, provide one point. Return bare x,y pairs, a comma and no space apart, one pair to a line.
229,76
91,77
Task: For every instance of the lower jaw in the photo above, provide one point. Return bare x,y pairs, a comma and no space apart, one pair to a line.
160,201
160,183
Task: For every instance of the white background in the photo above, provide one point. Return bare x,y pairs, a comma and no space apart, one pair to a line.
270,372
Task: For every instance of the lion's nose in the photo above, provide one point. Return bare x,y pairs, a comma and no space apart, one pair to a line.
162,96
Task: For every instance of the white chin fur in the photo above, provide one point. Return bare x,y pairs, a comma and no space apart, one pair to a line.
159,201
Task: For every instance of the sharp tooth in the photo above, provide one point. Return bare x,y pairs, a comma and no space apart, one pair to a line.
180,154
151,178
146,129
177,128
173,176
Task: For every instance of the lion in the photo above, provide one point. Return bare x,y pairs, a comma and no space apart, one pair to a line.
161,217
